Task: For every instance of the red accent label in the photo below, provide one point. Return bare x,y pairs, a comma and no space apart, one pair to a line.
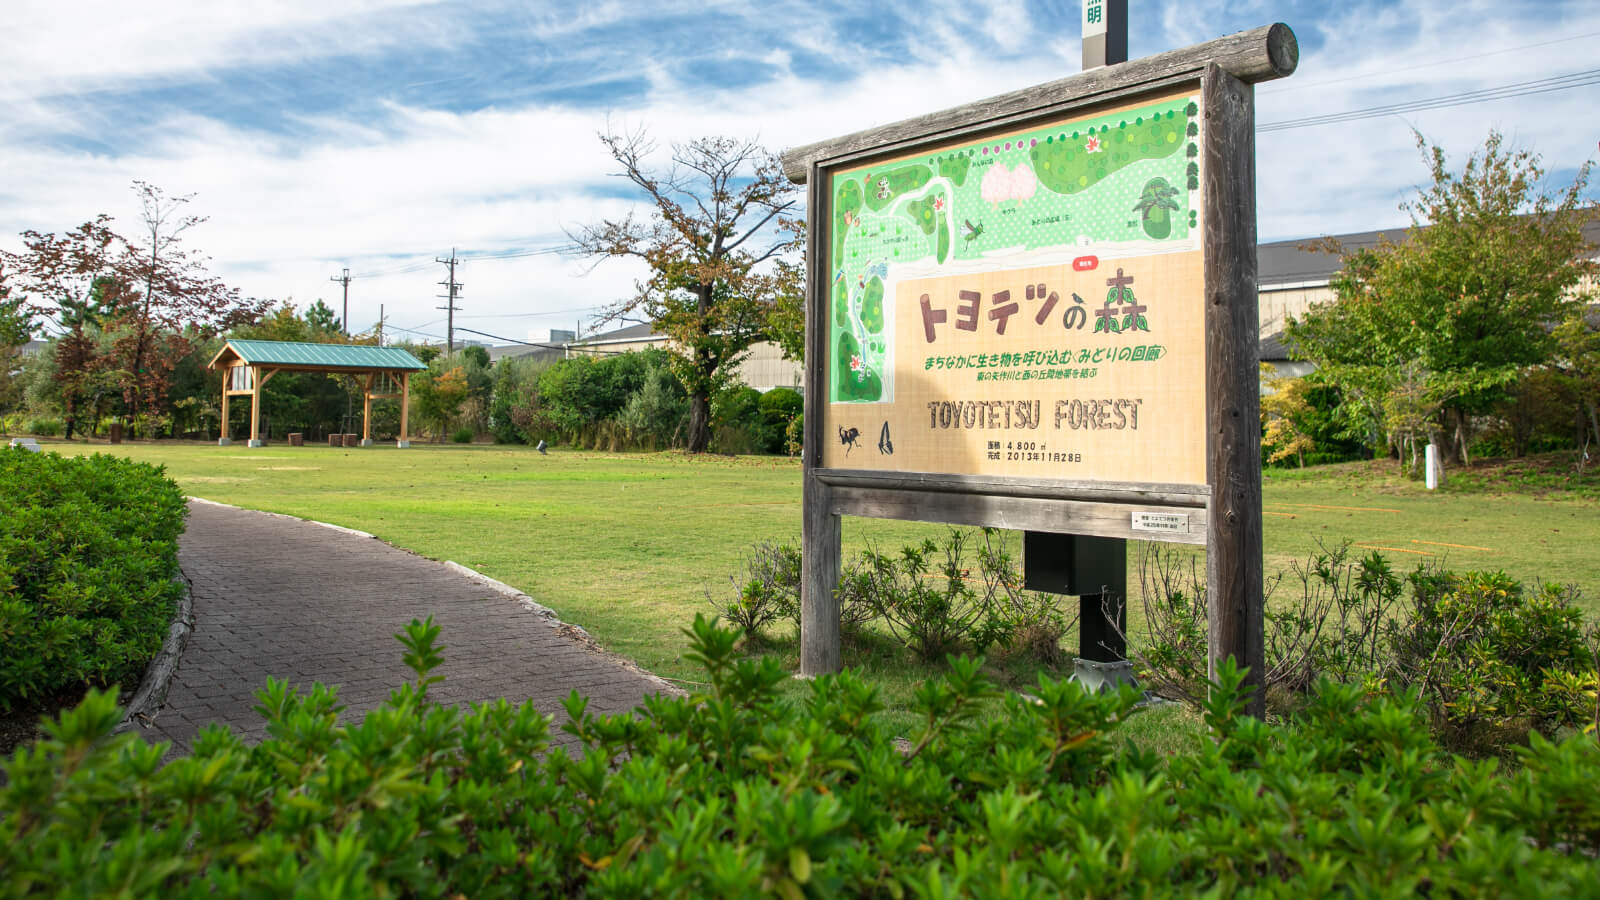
1085,263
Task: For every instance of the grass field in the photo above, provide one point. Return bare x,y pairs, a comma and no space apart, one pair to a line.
627,545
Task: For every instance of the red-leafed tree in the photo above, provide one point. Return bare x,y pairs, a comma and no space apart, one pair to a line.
69,281
125,312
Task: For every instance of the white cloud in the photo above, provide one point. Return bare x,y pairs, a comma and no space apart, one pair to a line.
382,193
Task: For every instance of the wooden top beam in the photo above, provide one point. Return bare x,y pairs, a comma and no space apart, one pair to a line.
1261,54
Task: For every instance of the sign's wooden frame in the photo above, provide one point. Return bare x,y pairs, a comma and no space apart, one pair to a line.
1224,71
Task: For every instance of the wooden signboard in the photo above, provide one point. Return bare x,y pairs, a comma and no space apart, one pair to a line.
1039,312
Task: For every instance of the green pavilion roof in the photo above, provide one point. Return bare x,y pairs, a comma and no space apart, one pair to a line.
322,356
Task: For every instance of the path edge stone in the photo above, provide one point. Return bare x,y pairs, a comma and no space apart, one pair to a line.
349,531
573,632
152,692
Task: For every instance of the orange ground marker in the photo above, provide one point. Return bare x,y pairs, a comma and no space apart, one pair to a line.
1345,508
1393,549
1457,546
1268,512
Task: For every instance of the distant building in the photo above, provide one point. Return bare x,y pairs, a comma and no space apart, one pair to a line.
763,368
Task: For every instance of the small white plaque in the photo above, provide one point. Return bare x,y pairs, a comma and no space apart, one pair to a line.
1163,522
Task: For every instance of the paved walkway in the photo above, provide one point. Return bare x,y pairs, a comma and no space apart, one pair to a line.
277,596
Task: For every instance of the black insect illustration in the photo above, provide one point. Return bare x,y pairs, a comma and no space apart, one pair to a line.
848,437
885,446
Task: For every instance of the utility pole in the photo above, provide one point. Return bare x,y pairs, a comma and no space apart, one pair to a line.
344,279
380,324
452,288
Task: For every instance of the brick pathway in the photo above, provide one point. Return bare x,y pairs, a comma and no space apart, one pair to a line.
292,599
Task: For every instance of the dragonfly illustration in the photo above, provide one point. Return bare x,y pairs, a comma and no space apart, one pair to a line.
972,231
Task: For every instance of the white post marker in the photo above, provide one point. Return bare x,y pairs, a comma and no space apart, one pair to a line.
1431,465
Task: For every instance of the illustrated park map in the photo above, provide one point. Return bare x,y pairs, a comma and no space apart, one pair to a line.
1124,183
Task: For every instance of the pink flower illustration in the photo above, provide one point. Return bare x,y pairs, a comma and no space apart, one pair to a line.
1093,146
856,364
938,204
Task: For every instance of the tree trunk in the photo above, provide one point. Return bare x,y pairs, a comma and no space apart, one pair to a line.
699,422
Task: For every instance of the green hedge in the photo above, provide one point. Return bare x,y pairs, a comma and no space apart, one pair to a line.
735,792
88,554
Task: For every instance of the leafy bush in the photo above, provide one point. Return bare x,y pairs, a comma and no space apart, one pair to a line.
657,415
779,408
462,435
44,427
794,435
736,440
1487,656
926,608
88,554
766,591
932,619
735,791
1487,659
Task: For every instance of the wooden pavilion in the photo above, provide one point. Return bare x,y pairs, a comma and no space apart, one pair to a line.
382,372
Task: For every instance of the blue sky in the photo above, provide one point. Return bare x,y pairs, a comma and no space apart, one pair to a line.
378,134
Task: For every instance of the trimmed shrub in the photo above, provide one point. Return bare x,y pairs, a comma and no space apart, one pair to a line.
462,435
737,792
44,427
88,554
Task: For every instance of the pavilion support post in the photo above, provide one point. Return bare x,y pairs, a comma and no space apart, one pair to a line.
255,407
366,412
405,410
222,430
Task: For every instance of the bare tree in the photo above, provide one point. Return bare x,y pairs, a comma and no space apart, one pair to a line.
713,243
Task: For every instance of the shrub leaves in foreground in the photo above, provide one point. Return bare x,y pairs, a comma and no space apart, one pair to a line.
735,792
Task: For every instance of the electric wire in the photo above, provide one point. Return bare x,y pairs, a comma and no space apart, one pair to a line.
1503,92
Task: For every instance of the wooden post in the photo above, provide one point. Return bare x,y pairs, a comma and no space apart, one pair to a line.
366,412
1233,405
405,408
255,407
227,379
819,530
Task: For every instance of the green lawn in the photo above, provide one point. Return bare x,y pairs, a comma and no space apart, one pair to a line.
628,545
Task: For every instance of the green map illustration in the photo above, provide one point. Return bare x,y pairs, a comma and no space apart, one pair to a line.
1129,177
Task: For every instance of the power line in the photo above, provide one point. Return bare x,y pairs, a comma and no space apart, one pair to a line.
1284,87
426,334
544,345
1504,92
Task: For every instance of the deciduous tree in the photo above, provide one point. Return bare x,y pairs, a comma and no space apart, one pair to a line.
178,293
1469,297
70,283
712,244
